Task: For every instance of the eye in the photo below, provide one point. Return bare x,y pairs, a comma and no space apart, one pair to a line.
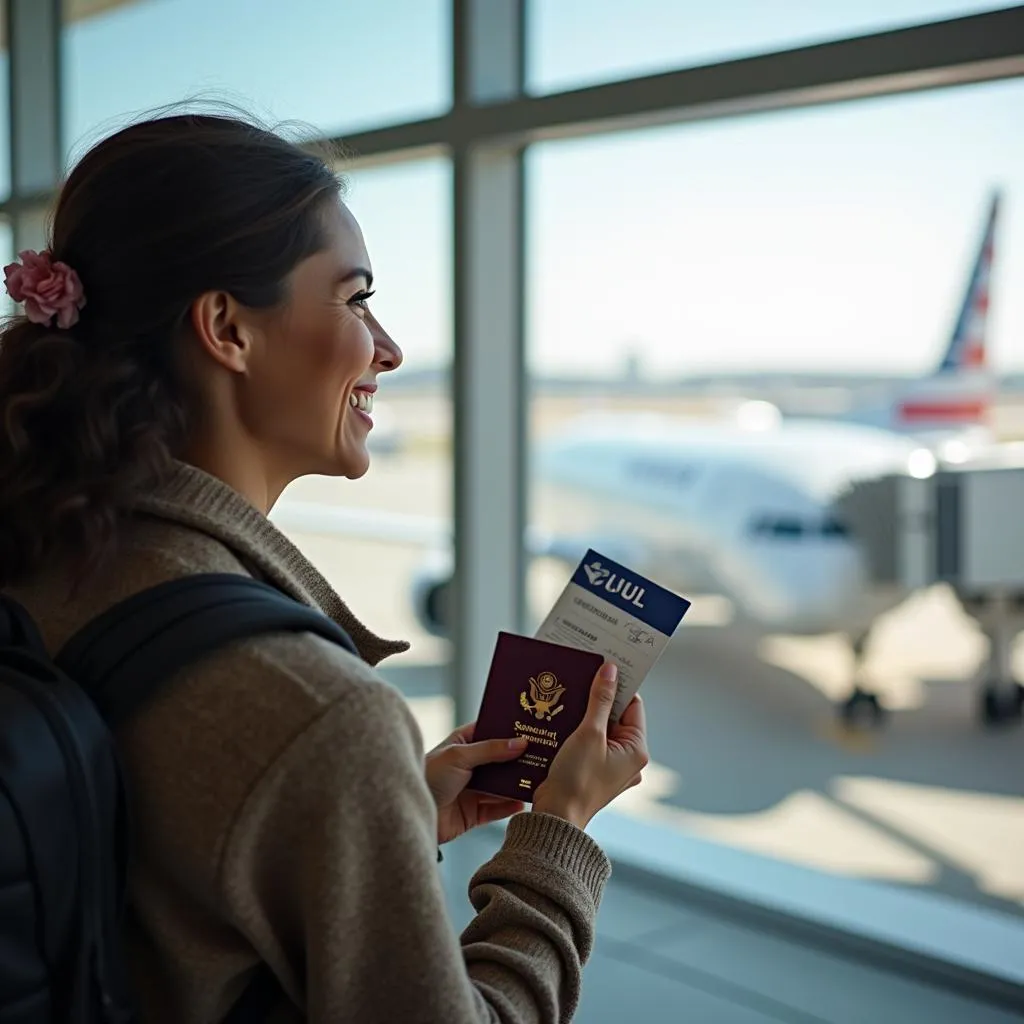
360,299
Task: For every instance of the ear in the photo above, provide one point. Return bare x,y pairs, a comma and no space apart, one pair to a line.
223,333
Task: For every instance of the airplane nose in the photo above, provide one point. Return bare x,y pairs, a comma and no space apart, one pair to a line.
814,589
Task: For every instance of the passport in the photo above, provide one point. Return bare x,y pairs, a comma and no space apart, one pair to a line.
535,689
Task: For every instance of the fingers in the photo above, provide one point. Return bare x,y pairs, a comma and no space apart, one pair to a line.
602,696
630,732
635,781
496,810
471,755
464,734
635,716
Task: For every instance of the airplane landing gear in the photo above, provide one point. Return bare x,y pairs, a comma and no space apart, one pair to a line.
862,707
998,707
1001,699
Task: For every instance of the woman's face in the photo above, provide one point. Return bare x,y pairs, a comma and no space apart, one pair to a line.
310,388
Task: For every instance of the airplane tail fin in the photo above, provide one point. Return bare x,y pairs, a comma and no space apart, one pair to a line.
967,346
959,392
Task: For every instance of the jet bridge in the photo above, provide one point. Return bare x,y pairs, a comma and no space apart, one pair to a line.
962,526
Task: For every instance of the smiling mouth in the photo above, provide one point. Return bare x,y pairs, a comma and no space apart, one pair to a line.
361,400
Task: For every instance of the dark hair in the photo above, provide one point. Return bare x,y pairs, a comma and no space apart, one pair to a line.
150,218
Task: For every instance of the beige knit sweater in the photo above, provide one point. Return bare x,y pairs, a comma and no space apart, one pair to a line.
282,814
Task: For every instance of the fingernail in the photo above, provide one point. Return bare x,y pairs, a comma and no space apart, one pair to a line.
609,672
518,743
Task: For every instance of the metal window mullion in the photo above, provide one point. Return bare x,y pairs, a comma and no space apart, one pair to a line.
488,364
490,485
33,29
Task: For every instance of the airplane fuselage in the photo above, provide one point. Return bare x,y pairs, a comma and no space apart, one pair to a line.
713,509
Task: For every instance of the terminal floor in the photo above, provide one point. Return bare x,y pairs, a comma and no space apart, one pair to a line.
661,960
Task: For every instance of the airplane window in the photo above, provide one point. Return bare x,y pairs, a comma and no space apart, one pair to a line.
833,528
661,472
783,526
759,527
779,526
788,527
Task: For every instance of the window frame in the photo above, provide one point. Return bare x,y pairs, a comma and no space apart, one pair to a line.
485,133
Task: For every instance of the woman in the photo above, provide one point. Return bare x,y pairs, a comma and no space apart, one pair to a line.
198,336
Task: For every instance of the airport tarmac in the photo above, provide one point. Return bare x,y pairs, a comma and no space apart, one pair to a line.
744,738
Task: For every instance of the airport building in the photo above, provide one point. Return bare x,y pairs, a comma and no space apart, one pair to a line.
678,284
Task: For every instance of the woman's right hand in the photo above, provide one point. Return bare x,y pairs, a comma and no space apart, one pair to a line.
596,763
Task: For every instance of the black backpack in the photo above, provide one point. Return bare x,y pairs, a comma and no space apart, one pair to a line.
64,827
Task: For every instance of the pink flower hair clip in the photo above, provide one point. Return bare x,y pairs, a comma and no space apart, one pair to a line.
47,288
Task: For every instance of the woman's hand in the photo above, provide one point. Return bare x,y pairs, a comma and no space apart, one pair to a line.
597,762
448,769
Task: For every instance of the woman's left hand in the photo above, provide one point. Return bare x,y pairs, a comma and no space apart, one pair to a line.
448,769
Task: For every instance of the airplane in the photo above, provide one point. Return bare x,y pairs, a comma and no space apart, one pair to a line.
751,510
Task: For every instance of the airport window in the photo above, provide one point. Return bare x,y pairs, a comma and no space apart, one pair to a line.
6,256
574,43
5,107
832,239
331,64
378,539
782,257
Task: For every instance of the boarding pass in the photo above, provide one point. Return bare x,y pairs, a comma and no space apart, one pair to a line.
609,609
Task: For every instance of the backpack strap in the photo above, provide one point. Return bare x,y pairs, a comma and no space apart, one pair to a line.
261,995
18,628
121,657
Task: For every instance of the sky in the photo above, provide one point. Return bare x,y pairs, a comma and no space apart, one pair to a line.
830,239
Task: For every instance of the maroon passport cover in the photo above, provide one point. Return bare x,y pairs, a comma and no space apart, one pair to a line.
535,689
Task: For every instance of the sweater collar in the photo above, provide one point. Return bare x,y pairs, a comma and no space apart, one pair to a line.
194,498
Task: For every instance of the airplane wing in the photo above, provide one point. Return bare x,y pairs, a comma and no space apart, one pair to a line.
431,532
365,523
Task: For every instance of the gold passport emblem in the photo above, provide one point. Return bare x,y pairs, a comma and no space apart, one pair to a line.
545,693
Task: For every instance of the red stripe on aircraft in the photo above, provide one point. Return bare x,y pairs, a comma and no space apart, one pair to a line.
974,356
939,410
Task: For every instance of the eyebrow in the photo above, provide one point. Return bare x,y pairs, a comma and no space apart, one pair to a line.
355,272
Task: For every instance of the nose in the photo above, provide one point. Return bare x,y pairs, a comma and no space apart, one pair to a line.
386,353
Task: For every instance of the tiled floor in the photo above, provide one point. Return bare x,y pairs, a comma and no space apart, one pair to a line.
659,961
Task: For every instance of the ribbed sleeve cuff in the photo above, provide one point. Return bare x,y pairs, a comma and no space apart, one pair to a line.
562,845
